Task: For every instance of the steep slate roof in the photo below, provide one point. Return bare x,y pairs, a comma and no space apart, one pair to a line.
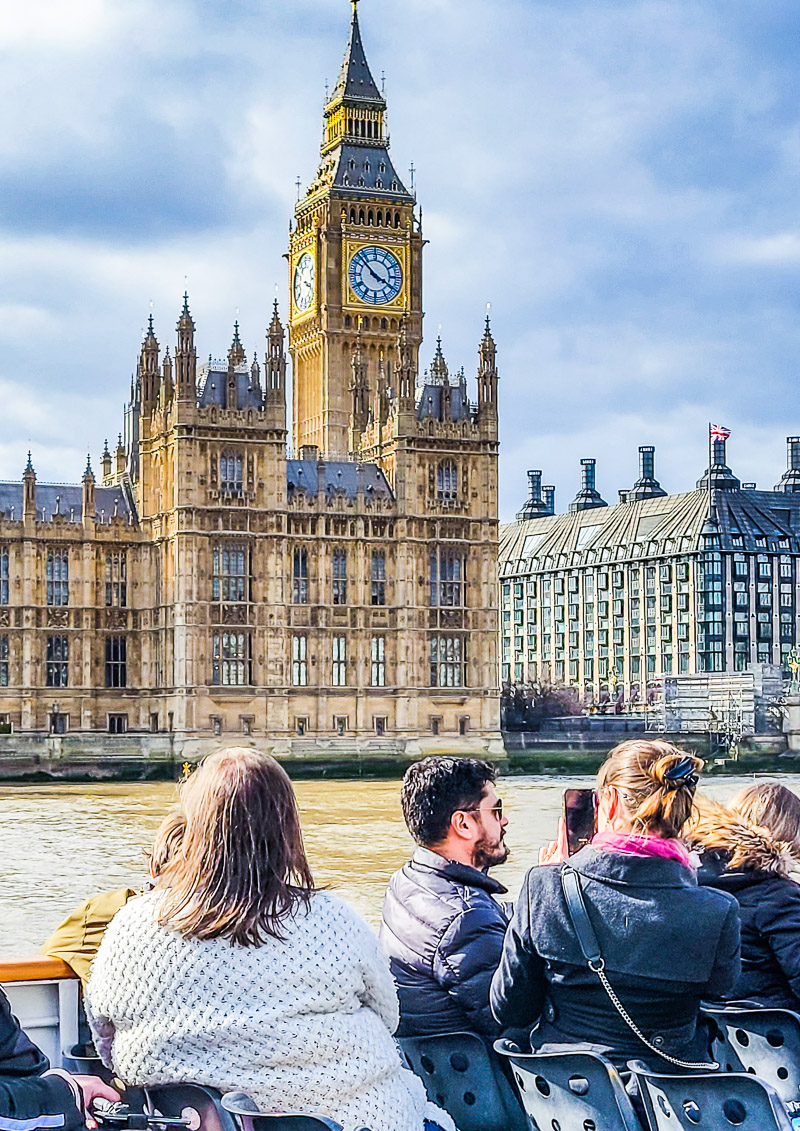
355,78
213,388
366,163
65,499
747,521
351,478
430,403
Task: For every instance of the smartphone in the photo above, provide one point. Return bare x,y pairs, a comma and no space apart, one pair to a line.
580,815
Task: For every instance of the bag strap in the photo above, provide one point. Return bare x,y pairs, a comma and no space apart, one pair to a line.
593,955
581,923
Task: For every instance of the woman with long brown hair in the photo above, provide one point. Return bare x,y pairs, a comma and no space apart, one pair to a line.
750,849
630,984
237,973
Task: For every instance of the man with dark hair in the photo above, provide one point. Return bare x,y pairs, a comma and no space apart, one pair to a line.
442,927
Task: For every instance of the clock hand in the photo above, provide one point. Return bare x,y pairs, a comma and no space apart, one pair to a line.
376,276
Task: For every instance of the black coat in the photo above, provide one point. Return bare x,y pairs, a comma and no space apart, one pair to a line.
26,1096
443,932
667,944
769,909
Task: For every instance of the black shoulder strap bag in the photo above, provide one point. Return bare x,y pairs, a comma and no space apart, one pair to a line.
590,948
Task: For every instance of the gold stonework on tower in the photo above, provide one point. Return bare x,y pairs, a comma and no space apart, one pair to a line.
338,599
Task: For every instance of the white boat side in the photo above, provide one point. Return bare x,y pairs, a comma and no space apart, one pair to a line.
44,995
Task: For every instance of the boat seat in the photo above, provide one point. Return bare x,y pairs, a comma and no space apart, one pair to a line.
763,1042
200,1105
249,1118
462,1075
716,1101
570,1091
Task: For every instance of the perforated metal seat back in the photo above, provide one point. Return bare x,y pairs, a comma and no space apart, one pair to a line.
721,1101
462,1075
763,1042
567,1091
200,1105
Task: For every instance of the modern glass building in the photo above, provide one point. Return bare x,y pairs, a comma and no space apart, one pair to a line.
612,598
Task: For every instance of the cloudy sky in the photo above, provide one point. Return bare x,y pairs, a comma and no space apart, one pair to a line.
619,178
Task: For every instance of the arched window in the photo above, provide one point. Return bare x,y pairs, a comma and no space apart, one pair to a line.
380,214
352,215
367,166
345,179
371,217
379,184
230,473
361,216
397,219
382,167
447,481
384,324
352,163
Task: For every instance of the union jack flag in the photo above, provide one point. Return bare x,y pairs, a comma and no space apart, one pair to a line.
719,432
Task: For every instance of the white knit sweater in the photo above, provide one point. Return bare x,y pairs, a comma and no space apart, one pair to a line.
303,1024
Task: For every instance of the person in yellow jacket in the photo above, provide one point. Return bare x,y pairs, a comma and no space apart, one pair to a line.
77,939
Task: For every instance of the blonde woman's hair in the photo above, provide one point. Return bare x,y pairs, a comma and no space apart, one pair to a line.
771,806
241,870
167,841
656,782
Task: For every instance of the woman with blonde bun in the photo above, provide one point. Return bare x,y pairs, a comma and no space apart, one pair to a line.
749,850
663,943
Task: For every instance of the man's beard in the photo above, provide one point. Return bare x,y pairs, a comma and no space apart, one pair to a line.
487,854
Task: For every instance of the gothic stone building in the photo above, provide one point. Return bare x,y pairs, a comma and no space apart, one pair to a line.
212,584
613,598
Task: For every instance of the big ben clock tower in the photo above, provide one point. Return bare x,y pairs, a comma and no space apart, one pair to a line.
355,261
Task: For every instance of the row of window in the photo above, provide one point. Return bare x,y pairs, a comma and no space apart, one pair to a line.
447,577
57,578
231,577
232,661
117,723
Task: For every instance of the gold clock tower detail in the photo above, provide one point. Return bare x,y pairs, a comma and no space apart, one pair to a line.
355,263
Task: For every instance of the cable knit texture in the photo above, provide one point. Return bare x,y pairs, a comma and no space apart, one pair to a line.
300,1024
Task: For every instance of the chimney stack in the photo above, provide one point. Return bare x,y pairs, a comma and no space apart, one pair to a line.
588,497
549,498
646,486
790,480
533,506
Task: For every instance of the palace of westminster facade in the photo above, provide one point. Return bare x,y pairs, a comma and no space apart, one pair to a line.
209,583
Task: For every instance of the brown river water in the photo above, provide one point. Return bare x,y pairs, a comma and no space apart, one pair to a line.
62,843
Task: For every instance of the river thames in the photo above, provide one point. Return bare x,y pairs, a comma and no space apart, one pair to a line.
62,843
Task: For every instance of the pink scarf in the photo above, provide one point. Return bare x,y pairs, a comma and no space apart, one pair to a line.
638,844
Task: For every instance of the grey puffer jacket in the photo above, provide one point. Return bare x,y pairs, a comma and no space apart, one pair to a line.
443,931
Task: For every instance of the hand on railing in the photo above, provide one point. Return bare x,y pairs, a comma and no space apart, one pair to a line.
118,1116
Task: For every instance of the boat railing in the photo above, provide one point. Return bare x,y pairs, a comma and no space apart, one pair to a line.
44,995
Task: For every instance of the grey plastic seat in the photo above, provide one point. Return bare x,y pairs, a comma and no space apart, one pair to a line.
206,1109
570,1091
462,1075
716,1101
763,1042
248,1118
201,1106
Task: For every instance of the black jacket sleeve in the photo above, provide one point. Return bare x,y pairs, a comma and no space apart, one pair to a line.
29,1100
518,988
467,957
19,1056
778,921
727,961
38,1103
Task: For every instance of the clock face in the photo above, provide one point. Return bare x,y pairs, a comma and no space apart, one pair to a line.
304,281
375,275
